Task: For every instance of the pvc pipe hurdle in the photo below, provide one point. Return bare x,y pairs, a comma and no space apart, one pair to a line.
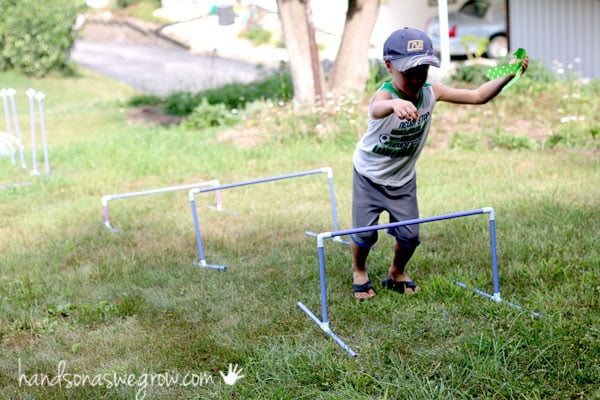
109,197
324,324
9,142
9,94
9,145
202,257
39,96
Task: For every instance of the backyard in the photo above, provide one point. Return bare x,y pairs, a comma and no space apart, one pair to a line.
90,313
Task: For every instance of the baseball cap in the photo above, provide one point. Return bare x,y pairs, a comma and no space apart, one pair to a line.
408,48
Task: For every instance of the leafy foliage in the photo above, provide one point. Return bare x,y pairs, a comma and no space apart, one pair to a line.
257,34
36,37
275,87
206,115
474,74
478,44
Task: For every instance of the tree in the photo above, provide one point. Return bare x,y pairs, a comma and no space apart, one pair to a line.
351,66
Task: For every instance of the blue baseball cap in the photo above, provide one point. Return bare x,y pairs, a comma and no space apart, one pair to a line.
408,48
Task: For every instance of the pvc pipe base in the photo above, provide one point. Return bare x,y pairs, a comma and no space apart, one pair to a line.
325,328
496,297
203,264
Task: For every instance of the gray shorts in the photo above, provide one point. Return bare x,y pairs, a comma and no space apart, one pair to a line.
370,199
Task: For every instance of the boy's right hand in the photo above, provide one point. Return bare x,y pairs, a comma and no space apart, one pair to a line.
405,110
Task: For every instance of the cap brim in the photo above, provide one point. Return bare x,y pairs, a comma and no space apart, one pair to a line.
402,64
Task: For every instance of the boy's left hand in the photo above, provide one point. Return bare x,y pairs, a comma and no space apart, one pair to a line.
525,64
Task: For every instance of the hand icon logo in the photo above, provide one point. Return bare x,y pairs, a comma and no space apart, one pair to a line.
232,375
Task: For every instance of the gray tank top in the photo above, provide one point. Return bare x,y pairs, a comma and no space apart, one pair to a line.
388,151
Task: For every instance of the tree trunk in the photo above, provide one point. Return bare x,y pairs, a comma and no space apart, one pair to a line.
294,22
351,66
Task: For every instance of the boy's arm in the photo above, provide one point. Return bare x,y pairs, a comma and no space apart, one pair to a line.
383,104
481,95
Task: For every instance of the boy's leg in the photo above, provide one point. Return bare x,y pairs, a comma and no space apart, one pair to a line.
359,270
402,254
365,212
403,205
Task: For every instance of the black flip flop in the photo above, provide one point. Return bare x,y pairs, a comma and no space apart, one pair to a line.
362,288
398,286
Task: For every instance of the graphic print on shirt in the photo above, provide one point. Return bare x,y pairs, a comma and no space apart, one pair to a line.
402,141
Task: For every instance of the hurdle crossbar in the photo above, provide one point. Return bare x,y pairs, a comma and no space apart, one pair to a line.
324,323
109,197
192,193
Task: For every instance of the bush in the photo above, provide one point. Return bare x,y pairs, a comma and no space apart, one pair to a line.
475,74
257,35
277,87
206,115
236,95
36,37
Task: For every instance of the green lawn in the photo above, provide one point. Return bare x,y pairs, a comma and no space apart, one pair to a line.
78,302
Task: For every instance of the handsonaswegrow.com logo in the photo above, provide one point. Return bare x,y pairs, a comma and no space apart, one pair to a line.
64,379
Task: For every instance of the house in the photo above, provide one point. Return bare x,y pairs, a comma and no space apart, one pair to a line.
564,34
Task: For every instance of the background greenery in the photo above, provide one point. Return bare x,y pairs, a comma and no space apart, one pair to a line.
36,37
133,303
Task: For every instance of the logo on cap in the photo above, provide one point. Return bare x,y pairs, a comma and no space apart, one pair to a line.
415,45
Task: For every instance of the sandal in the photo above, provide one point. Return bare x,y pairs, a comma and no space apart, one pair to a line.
362,288
399,286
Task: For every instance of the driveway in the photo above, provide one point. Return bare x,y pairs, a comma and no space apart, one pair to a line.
160,69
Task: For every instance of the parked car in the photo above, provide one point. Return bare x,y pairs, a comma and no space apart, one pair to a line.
478,19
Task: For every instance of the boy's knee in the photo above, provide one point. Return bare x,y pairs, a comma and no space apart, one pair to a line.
408,238
364,239
409,244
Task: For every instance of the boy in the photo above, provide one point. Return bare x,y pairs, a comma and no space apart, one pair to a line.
384,159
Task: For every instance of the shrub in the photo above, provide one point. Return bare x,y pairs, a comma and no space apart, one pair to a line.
479,44
206,115
236,95
475,74
181,103
36,37
277,87
257,35
378,74
144,100
503,140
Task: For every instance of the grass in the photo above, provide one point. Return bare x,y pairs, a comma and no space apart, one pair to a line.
96,304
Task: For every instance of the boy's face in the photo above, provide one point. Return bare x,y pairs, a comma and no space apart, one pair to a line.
410,81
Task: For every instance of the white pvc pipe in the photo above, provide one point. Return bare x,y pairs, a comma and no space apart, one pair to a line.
4,94
31,93
11,94
40,98
105,199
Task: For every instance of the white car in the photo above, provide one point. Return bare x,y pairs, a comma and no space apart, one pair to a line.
475,18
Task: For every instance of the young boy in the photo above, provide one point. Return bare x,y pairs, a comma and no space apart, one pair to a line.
384,159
